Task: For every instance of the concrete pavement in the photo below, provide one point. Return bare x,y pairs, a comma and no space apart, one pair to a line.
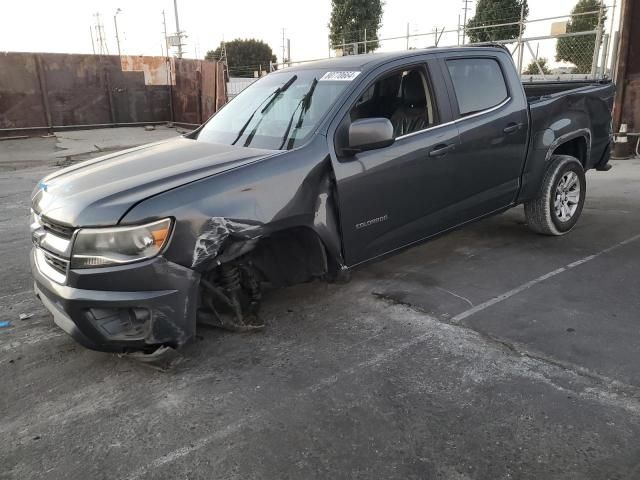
488,353
66,147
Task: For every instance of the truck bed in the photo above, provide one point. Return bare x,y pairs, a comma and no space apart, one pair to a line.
535,91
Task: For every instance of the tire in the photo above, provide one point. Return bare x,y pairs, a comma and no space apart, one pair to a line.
564,182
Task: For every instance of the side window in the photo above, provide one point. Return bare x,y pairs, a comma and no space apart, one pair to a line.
403,97
478,83
367,96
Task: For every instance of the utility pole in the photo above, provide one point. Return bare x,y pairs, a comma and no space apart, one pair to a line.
115,24
166,39
100,36
223,60
178,32
93,45
168,63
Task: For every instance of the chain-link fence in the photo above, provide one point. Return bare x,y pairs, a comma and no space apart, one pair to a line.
572,46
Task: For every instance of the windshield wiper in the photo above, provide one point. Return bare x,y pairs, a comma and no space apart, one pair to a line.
272,96
305,103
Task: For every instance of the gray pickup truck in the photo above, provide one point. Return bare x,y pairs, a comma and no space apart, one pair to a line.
308,173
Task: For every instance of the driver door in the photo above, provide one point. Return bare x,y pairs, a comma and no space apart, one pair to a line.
397,195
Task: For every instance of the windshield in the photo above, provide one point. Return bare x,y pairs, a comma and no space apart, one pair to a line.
277,112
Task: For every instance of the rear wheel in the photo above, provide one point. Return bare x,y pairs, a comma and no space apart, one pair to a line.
557,208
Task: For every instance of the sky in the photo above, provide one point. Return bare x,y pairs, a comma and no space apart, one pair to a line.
64,26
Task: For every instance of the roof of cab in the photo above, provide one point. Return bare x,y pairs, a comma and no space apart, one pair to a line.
372,60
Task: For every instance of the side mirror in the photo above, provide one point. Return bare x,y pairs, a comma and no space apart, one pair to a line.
369,134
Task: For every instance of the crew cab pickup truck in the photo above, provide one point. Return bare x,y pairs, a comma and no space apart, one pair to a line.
308,173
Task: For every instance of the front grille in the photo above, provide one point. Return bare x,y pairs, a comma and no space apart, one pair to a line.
57,264
57,229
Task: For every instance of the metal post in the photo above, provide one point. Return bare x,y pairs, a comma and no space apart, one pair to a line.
365,40
520,46
597,44
407,35
613,14
535,59
178,32
458,32
283,46
464,22
614,55
115,24
438,36
605,54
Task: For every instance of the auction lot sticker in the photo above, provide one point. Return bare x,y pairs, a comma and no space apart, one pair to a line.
339,76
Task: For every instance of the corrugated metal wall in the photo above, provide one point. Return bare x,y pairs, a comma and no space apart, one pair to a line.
46,91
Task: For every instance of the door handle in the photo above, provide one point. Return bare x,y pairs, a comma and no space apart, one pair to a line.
512,128
440,150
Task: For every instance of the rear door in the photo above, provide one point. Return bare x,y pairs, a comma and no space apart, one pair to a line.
490,110
394,196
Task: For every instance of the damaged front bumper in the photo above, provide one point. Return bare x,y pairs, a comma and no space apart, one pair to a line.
114,310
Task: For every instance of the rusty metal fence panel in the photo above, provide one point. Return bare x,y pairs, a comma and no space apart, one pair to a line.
52,91
199,90
21,102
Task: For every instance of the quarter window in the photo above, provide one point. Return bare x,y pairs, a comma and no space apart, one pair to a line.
478,83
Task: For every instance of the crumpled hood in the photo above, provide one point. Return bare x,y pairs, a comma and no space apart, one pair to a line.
99,192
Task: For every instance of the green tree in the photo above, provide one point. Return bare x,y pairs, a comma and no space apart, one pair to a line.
496,12
244,56
532,68
579,50
350,19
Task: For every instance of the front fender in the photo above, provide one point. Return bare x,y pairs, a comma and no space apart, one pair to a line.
225,216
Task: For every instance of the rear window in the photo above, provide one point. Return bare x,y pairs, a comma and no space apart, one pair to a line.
478,83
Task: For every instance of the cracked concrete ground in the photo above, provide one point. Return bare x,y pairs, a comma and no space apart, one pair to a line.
489,353
64,147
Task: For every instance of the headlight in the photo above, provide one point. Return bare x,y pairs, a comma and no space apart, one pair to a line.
101,247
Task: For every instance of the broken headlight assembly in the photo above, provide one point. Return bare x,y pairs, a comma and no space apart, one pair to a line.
103,247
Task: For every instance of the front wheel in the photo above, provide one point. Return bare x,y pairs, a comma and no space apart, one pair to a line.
558,206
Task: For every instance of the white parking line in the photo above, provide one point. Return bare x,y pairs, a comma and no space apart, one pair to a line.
525,286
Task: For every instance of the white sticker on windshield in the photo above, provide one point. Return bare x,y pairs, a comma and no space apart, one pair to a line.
339,76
